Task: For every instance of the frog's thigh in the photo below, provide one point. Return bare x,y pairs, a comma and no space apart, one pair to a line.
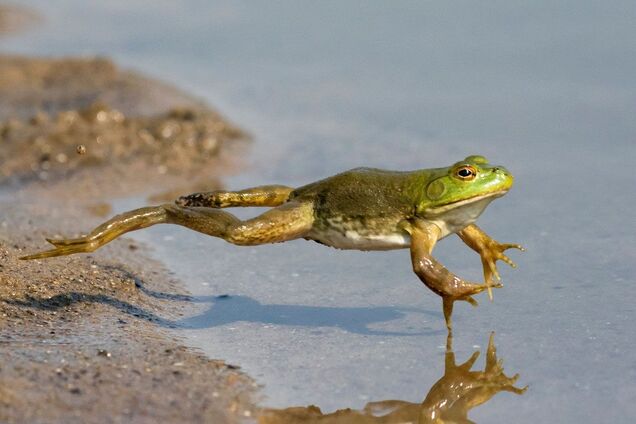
267,195
286,222
289,221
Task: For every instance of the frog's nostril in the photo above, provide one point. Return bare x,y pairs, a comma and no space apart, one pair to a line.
500,171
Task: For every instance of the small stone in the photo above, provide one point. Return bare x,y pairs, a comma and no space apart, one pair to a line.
80,149
209,143
104,353
39,118
101,116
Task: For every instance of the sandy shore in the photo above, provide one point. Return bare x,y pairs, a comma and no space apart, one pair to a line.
84,338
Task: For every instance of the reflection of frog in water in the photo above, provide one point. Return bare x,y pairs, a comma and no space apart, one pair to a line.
448,401
364,209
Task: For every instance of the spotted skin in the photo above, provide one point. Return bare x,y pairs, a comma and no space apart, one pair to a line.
268,195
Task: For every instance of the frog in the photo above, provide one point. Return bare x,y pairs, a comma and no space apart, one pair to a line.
365,209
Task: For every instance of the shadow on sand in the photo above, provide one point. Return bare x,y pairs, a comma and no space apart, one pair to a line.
226,309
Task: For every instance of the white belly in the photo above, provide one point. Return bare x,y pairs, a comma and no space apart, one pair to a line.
351,239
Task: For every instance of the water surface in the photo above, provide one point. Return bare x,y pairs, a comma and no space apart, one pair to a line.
545,88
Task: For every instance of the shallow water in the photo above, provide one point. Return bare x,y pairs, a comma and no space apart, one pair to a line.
544,88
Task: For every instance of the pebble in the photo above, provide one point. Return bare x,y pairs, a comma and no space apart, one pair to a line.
103,352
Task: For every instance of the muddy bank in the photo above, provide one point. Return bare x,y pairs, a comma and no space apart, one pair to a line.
179,144
84,338
179,141
84,119
53,85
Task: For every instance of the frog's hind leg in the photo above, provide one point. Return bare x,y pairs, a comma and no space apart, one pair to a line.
267,195
286,222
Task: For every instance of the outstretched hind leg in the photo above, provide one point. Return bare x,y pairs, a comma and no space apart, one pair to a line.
289,221
106,232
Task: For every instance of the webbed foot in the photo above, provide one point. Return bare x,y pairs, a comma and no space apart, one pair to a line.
108,231
65,247
490,251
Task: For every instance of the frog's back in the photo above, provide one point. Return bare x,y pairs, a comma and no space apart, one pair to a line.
360,209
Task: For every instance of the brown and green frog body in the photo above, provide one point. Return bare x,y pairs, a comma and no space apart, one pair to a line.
364,209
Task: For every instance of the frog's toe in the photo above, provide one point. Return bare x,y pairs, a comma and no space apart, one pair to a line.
507,260
478,288
518,390
492,284
491,270
471,300
64,247
66,242
507,246
63,250
466,366
493,253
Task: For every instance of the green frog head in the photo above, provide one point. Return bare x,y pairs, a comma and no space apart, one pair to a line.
469,184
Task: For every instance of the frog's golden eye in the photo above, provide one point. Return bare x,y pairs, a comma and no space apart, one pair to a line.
466,173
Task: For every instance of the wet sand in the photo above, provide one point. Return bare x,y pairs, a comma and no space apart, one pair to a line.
54,85
83,338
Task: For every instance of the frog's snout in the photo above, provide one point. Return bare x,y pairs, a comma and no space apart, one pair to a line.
503,175
500,170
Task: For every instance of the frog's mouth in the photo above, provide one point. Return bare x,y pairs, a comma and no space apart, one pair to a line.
432,212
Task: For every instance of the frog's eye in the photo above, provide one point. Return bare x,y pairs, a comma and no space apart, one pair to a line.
466,173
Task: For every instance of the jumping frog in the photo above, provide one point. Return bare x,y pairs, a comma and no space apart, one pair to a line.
364,209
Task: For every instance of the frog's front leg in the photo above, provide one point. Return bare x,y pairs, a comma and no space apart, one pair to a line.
434,275
490,251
